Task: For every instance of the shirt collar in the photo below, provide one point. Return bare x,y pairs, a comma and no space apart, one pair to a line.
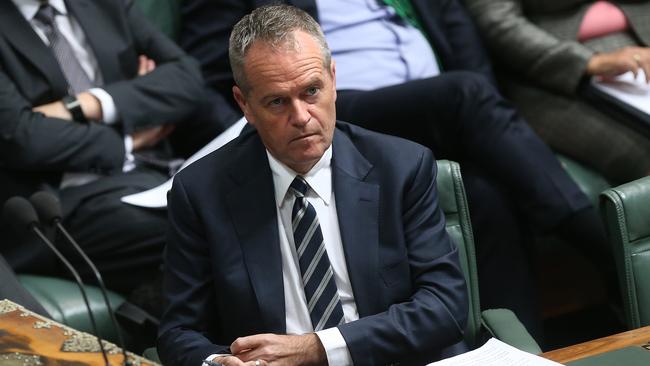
29,7
319,177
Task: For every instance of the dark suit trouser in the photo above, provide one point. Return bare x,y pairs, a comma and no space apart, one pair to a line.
461,117
124,242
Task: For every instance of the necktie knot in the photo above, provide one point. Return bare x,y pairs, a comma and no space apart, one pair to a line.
45,14
299,186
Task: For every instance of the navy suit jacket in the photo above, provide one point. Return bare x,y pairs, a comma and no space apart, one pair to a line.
223,264
207,25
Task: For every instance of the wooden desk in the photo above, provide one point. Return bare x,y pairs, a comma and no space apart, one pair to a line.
635,337
28,339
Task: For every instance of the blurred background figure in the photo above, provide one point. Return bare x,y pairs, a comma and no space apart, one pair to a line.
546,50
89,92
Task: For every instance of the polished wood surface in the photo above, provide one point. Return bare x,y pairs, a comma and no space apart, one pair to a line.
635,337
33,337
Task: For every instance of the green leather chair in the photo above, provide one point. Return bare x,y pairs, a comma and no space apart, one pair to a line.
626,211
590,182
499,323
63,301
164,14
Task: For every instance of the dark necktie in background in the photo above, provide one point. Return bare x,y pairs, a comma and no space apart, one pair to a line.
323,302
78,80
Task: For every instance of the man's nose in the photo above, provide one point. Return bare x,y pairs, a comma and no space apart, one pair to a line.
300,114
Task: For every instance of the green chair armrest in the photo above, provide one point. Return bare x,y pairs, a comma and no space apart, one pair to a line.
590,182
63,301
504,325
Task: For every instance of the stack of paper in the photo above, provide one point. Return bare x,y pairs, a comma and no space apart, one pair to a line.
157,197
496,353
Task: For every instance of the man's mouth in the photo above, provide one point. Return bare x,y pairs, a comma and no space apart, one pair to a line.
301,137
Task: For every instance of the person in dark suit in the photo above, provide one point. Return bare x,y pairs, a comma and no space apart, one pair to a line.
306,240
545,51
83,85
513,181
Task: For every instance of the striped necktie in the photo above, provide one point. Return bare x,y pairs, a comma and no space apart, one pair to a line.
322,296
78,80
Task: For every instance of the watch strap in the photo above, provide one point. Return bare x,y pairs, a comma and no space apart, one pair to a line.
73,106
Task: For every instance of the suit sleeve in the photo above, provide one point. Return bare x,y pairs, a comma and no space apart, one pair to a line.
168,94
189,292
468,50
435,315
29,141
523,47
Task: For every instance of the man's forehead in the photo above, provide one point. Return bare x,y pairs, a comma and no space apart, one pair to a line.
266,64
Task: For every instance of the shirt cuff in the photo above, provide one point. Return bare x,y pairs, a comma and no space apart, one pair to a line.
211,357
129,159
109,111
335,347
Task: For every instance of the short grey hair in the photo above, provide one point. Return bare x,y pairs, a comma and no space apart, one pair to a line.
274,25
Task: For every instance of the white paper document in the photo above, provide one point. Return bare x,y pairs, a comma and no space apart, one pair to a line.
629,90
496,353
157,197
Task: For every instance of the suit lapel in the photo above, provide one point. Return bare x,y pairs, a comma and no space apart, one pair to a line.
253,209
357,206
21,35
100,35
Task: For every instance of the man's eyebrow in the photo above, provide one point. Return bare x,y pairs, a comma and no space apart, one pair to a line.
269,97
314,80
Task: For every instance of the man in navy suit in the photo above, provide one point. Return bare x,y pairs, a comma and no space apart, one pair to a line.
423,74
307,241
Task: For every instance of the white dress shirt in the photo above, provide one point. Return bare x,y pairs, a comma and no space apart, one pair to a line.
75,36
321,196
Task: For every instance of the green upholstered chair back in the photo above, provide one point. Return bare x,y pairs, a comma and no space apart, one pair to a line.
454,204
164,14
62,300
626,210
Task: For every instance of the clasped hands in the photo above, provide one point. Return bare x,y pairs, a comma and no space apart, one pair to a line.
610,64
275,350
92,110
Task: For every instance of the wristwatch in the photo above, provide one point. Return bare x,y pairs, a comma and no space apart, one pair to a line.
73,106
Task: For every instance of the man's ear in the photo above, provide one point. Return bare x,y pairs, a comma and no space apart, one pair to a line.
243,104
333,75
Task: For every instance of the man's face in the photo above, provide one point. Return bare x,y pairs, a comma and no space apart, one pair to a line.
290,100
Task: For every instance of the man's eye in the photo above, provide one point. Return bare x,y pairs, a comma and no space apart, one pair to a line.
276,102
312,91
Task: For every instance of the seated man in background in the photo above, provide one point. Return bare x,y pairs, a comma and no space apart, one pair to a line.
421,73
306,241
546,50
85,85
